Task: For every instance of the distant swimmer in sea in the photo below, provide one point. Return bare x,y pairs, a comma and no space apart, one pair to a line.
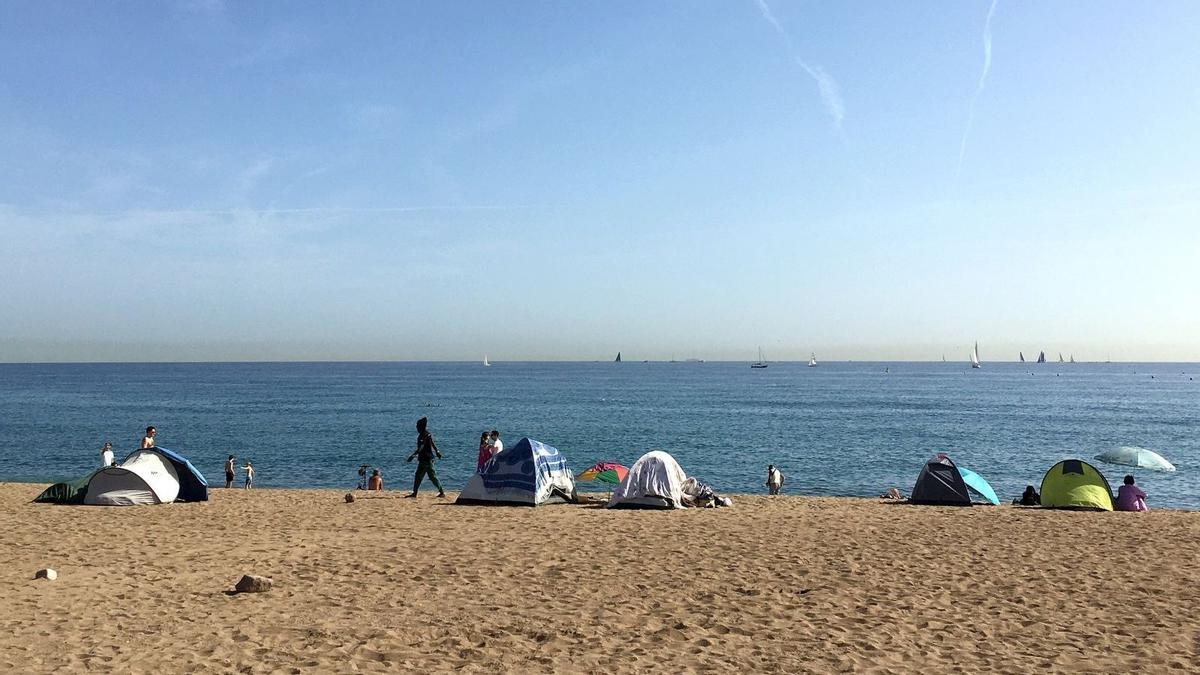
375,484
425,452
229,468
1131,497
106,455
774,479
249,469
148,439
1029,497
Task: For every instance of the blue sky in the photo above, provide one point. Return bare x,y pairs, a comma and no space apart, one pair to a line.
219,180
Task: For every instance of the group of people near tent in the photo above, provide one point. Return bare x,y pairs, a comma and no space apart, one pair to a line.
1069,484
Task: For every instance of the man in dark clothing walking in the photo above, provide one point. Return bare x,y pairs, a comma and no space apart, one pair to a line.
425,452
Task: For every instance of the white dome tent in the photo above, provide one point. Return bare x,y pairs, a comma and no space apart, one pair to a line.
145,477
655,481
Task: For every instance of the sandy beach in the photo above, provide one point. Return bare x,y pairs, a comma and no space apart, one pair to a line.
785,584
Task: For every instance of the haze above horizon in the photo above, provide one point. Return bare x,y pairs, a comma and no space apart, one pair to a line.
208,180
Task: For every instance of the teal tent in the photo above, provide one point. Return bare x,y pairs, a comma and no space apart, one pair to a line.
978,485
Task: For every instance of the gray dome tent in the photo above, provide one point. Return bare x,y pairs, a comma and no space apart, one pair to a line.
940,484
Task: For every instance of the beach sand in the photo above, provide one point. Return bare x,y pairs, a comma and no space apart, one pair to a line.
784,584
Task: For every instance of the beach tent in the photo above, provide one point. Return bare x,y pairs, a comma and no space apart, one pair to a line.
655,481
1129,455
940,484
976,483
526,473
150,476
66,492
1075,484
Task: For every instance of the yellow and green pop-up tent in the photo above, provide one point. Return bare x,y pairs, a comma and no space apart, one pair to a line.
1075,484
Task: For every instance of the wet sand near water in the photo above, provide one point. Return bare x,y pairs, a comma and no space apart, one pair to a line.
783,584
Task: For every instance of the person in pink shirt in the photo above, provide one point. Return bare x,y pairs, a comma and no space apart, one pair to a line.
485,451
1130,497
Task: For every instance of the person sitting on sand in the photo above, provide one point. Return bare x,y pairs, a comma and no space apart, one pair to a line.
229,468
425,452
249,469
892,493
774,479
485,451
106,455
375,482
148,439
1029,497
1131,497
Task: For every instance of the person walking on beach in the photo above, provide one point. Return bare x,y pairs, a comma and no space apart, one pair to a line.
1131,497
148,439
485,451
106,455
249,469
425,452
229,468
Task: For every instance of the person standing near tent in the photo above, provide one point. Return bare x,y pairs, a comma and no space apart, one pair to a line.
497,444
229,469
1131,497
249,468
425,452
485,451
106,455
148,439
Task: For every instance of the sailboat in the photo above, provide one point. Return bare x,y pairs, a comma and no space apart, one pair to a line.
1041,357
760,363
618,359
1022,355
485,361
1060,358
1072,359
975,357
812,361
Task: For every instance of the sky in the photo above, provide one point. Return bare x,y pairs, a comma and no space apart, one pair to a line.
214,180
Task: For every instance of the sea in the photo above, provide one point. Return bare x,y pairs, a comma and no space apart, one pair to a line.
841,428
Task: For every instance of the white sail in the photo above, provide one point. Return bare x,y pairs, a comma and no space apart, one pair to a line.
812,360
485,360
975,356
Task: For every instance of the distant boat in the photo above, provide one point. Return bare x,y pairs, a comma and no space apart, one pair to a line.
975,357
485,361
1041,357
1072,358
1060,358
812,361
618,359
760,363
1022,355
943,358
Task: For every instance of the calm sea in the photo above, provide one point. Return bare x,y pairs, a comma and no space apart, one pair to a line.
837,429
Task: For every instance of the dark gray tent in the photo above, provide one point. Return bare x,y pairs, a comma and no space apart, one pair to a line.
940,484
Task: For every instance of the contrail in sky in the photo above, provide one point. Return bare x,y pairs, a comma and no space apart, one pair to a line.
987,65
831,94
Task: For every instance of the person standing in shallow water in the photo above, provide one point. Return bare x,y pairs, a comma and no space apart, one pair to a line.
425,452
229,472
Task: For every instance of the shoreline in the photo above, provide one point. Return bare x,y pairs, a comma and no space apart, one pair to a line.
773,584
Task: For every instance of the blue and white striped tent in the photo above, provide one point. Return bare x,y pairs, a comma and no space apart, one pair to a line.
528,473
